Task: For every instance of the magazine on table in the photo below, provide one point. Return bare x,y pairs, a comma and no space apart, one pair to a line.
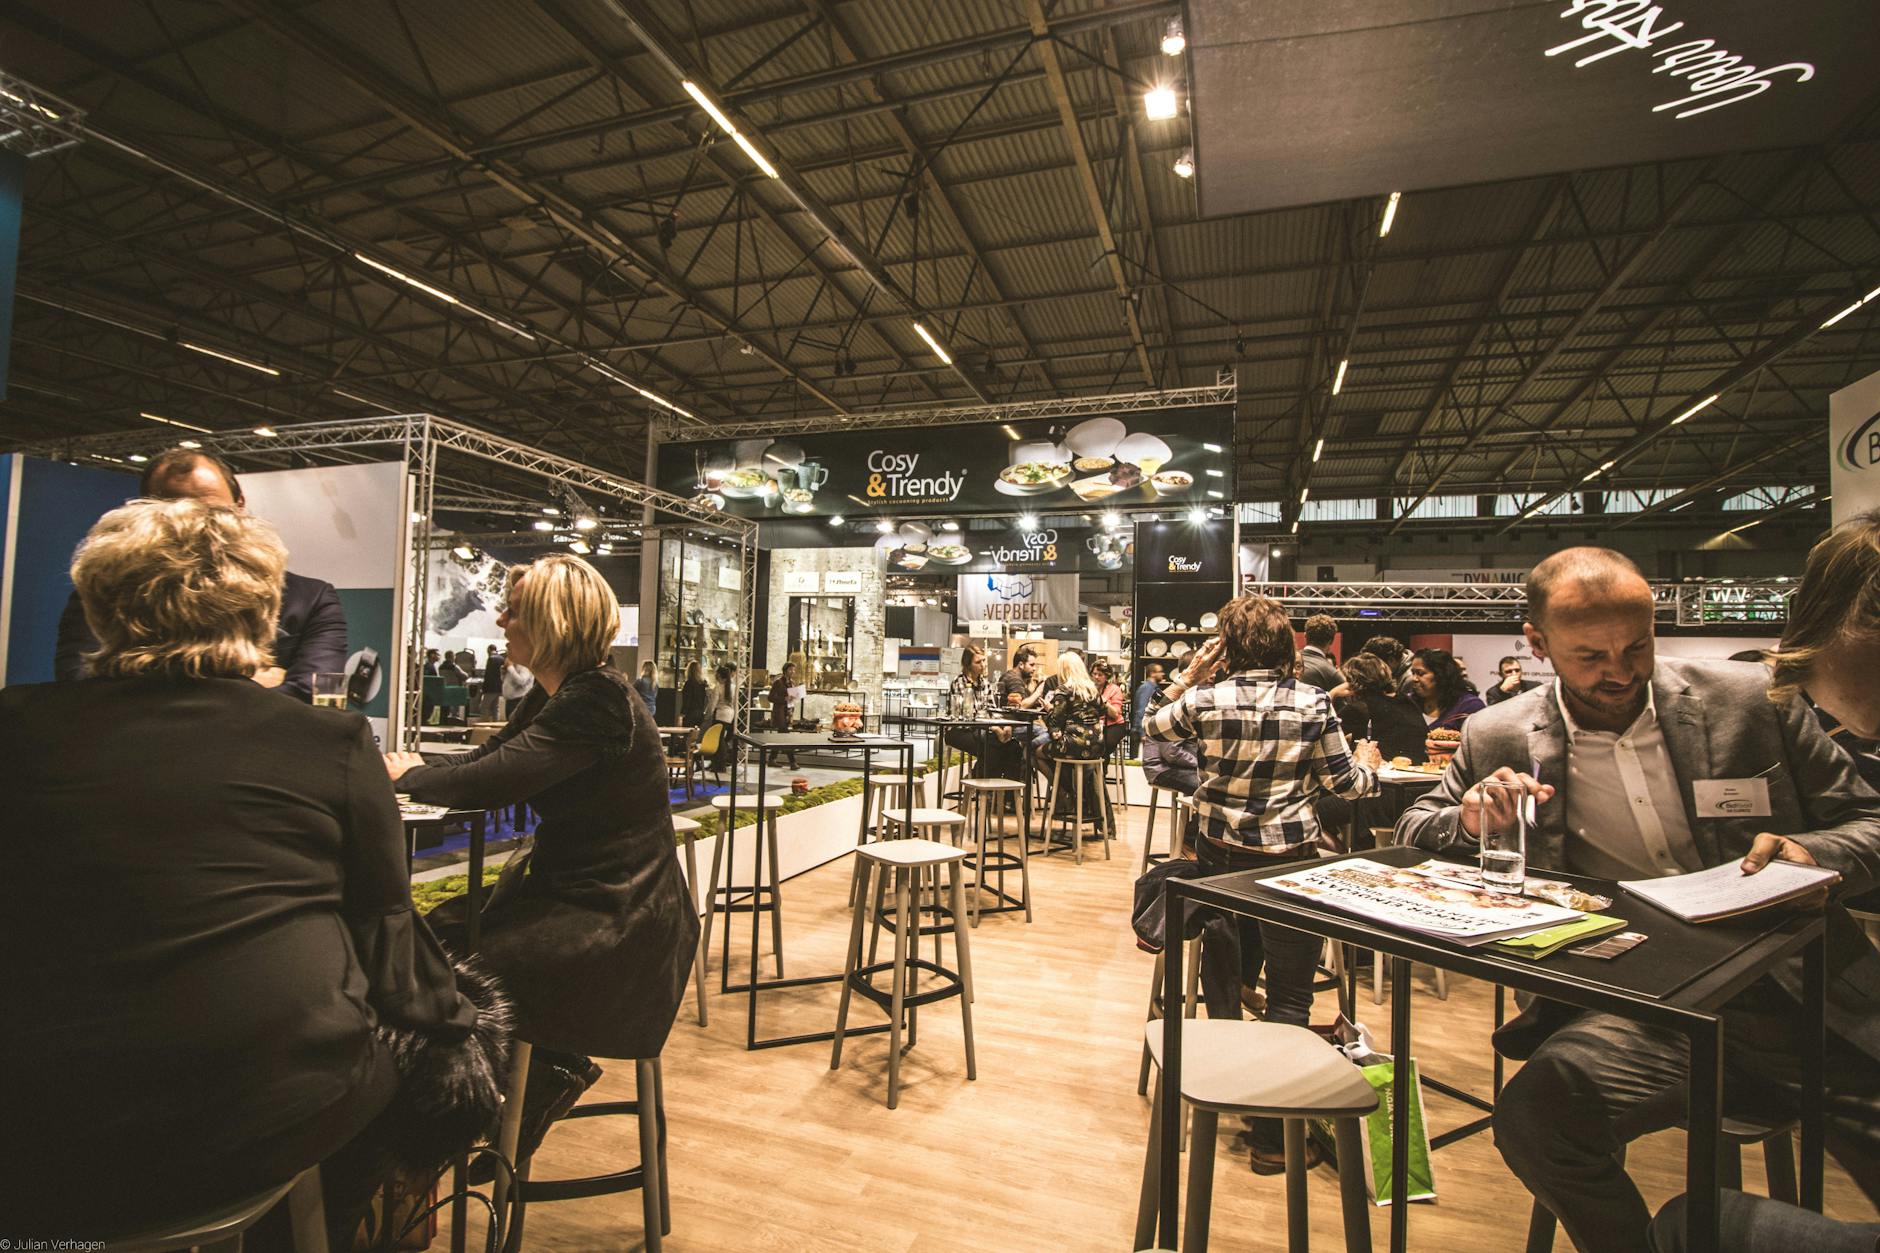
1413,900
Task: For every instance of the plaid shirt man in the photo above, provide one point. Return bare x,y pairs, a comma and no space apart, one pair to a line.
1266,743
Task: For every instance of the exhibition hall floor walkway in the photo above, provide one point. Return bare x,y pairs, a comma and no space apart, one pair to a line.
773,1150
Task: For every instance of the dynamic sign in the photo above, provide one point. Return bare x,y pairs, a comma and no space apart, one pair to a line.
1166,456
1433,94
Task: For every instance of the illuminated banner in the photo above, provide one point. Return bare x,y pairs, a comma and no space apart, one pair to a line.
1019,599
1169,456
1854,448
1302,102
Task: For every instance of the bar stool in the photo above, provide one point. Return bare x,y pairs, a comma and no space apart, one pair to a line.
1155,1003
1271,1070
1115,773
1176,801
1777,1140
982,797
688,830
220,1230
649,1176
885,792
1081,766
913,864
765,897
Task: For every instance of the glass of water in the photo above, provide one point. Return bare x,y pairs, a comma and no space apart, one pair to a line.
330,690
1505,809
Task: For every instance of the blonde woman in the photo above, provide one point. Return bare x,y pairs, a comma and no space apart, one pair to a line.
213,940
593,930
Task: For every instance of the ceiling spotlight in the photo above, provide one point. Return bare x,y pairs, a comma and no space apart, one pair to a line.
417,516
267,432
605,550
1027,521
885,527
139,457
1173,38
1197,515
543,524
1112,519
1185,164
1160,104
579,546
949,526
188,443
462,551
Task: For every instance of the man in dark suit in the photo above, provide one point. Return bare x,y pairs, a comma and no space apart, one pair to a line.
1616,755
1509,684
312,635
1316,664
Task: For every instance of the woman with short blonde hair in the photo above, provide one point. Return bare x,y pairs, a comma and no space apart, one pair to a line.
592,929
221,936
180,588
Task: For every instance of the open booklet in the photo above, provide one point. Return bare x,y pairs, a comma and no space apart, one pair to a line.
1420,899
1725,891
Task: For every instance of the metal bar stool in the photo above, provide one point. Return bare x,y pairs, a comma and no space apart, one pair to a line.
688,829
982,798
649,1176
767,897
910,862
1100,804
221,1230
1271,1070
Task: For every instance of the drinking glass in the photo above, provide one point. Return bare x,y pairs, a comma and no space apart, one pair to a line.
1505,809
329,690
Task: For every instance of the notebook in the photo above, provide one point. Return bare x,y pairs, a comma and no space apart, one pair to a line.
1725,891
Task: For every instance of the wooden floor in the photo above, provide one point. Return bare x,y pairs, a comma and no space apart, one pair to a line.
773,1150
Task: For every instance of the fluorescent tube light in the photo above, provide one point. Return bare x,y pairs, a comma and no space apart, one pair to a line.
407,279
231,358
1318,450
1390,214
933,343
1338,380
187,426
724,123
1697,408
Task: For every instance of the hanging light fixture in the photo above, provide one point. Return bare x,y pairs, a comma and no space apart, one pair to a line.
1185,164
1174,39
1160,104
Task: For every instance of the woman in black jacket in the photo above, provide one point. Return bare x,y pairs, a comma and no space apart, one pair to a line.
212,953
593,930
692,696
1374,711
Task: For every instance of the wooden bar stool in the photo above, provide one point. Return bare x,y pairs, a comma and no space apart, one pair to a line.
765,897
1155,1004
687,829
982,797
912,863
1081,767
1176,802
884,792
648,1108
1270,1070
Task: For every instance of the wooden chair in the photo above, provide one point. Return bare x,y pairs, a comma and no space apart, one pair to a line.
685,759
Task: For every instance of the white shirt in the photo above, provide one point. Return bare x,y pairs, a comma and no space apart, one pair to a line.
516,682
1625,810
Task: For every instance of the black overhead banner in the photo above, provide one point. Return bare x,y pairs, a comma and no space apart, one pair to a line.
1185,552
1166,456
1304,102
1048,550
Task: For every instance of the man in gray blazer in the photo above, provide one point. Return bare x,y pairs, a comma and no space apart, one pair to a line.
1618,755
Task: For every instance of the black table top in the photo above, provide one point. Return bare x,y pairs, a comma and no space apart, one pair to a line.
817,739
1682,966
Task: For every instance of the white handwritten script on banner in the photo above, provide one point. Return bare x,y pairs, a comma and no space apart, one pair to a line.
1711,74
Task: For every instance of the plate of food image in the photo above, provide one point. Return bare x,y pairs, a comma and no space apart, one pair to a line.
744,483
1096,487
1096,437
949,554
1173,481
1033,478
1145,450
1090,465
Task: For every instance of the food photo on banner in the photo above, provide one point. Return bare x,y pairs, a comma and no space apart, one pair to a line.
1165,456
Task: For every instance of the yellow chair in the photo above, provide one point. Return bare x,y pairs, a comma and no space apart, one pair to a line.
708,745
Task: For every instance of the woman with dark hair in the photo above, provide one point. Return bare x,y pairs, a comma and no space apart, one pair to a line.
1833,637
1438,690
724,711
1269,744
692,694
1373,710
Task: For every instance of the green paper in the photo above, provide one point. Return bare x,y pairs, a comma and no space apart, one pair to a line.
1539,944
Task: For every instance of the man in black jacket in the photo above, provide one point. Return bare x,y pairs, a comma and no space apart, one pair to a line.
1509,683
312,635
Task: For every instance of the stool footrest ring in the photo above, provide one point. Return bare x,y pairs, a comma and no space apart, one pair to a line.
858,980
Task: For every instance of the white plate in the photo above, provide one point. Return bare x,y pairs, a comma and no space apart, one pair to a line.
1155,648
1209,621
1158,623
1143,450
1097,437
1182,649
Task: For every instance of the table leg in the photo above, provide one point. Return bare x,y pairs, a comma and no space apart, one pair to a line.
1400,1096
473,902
1704,1118
1173,951
1814,1124
757,892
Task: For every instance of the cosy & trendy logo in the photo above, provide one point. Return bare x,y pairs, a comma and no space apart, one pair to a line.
891,476
1183,565
1861,449
1033,546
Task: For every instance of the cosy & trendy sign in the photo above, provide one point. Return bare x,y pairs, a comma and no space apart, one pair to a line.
1169,456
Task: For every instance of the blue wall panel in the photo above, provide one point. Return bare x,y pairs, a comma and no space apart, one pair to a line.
58,504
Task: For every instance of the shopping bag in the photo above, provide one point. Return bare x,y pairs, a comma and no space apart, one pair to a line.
1377,1141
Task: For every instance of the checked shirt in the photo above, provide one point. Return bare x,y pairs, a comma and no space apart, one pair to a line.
1267,744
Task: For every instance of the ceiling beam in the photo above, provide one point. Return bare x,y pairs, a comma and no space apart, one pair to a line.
1093,192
